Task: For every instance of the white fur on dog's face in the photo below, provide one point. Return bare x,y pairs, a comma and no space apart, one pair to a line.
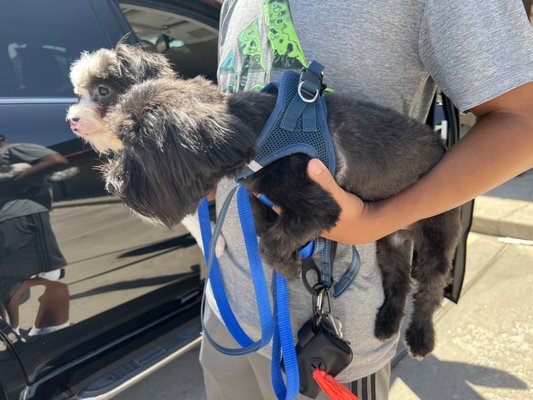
86,118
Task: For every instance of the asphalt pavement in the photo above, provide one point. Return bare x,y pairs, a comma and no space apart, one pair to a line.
485,343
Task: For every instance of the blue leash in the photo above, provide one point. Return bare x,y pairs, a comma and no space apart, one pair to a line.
277,324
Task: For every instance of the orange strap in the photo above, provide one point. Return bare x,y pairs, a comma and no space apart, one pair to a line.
332,387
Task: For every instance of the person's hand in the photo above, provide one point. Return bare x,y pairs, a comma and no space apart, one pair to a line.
360,222
356,223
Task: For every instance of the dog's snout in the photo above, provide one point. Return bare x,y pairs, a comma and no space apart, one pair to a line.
72,122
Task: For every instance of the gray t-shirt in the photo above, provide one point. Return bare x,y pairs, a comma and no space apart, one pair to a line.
31,197
390,52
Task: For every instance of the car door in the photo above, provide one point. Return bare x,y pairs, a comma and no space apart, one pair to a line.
129,283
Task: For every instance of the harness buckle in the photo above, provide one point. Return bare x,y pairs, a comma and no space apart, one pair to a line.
311,85
312,98
320,300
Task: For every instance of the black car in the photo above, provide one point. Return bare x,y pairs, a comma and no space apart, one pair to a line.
134,290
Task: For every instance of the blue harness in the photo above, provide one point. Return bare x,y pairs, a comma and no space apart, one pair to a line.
298,124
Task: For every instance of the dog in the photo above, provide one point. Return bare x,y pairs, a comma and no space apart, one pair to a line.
169,141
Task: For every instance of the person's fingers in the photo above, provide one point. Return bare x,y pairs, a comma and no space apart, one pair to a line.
318,172
351,205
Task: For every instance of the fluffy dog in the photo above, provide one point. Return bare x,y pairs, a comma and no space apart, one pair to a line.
169,142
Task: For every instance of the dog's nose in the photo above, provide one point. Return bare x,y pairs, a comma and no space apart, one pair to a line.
73,122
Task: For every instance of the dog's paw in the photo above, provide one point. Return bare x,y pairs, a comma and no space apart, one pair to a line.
286,262
290,269
286,265
420,339
388,322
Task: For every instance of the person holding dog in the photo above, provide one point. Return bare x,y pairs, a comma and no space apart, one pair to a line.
395,54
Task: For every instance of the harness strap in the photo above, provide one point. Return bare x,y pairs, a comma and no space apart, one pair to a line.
323,273
298,122
327,257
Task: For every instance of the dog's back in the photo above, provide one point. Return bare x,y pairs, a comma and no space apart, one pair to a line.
379,151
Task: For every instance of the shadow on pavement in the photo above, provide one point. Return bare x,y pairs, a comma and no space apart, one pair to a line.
455,380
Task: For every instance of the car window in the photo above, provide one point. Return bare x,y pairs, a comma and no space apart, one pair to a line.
36,49
111,271
190,45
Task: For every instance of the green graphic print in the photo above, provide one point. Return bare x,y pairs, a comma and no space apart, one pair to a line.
282,36
227,67
251,53
248,69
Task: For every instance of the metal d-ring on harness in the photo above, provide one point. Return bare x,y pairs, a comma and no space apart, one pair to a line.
297,125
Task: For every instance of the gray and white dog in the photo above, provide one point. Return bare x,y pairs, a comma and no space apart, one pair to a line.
169,142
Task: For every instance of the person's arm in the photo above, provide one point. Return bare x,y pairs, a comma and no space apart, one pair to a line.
43,167
496,149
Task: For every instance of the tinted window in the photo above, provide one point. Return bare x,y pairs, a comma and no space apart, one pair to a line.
190,45
121,274
37,46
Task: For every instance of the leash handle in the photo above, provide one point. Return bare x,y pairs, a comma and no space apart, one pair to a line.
275,325
215,278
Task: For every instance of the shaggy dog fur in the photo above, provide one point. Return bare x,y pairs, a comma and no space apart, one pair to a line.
169,142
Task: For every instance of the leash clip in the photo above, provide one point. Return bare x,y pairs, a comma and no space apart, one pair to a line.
318,304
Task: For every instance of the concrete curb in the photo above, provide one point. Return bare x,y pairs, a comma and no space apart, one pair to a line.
503,217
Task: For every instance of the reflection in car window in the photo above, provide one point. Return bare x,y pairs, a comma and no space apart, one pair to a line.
35,49
190,45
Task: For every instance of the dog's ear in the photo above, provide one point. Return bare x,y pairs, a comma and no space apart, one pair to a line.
138,65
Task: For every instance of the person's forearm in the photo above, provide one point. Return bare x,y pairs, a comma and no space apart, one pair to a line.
499,147
45,166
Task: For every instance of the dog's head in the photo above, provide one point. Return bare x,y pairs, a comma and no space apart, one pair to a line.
171,140
99,79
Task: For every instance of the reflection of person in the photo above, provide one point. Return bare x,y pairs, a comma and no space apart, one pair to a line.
29,253
392,53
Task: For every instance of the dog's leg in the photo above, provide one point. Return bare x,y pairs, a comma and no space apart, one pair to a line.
393,257
264,217
435,248
299,222
307,210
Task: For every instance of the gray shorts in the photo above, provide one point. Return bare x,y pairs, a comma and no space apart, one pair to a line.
28,247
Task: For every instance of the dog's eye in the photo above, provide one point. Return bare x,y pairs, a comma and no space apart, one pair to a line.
103,91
